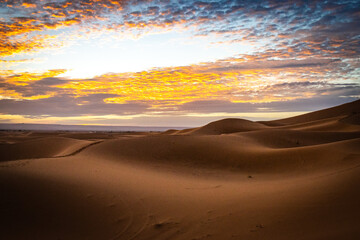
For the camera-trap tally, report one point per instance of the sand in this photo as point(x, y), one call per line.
point(295, 178)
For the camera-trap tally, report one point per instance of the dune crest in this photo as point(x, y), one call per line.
point(41, 148)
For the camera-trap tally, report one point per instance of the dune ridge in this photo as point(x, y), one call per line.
point(41, 148)
point(294, 178)
point(341, 111)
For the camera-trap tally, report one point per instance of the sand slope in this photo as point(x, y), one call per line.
point(40, 148)
point(263, 152)
point(342, 111)
point(295, 178)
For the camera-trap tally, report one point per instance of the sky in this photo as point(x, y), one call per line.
point(175, 63)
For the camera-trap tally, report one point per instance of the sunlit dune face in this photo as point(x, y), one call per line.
point(175, 58)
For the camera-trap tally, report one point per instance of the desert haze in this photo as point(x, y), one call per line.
point(294, 178)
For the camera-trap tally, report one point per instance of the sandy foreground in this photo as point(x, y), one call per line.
point(295, 178)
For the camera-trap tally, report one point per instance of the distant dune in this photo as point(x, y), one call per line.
point(224, 126)
point(294, 178)
point(348, 110)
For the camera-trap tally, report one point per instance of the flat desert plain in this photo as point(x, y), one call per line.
point(294, 178)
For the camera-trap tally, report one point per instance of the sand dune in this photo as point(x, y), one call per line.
point(266, 152)
point(345, 110)
point(288, 138)
point(295, 178)
point(335, 124)
point(41, 148)
point(224, 126)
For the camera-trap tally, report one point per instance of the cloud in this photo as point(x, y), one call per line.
point(25, 78)
point(297, 105)
point(175, 90)
point(67, 105)
point(293, 23)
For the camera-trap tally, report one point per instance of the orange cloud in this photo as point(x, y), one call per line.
point(37, 18)
point(25, 78)
point(28, 5)
point(28, 45)
point(242, 79)
point(178, 85)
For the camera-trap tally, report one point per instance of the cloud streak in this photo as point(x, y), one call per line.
point(207, 87)
point(316, 27)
